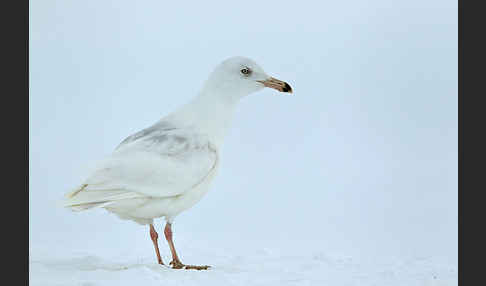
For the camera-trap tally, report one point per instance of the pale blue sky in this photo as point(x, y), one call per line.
point(362, 158)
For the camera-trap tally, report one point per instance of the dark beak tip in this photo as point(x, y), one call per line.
point(287, 88)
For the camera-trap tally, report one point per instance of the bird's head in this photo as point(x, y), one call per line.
point(239, 76)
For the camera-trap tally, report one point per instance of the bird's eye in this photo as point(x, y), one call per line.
point(246, 71)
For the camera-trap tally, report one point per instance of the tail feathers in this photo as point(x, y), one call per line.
point(86, 206)
point(83, 198)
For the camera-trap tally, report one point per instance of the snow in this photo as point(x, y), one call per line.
point(248, 263)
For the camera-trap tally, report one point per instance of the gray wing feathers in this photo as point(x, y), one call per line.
point(159, 161)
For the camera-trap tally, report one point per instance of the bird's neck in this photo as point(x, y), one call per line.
point(210, 114)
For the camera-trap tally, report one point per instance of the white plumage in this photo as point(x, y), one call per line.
point(167, 168)
point(161, 173)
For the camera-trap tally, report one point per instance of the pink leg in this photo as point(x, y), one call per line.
point(176, 263)
point(154, 236)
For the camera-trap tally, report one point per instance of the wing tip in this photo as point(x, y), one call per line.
point(75, 192)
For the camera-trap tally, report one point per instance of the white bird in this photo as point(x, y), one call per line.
point(166, 168)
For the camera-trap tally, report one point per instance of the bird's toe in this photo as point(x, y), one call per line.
point(198, 267)
point(180, 265)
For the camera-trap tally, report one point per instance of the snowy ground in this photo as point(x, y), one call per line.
point(60, 264)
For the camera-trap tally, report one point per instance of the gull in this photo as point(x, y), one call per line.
point(167, 168)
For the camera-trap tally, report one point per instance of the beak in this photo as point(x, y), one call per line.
point(277, 84)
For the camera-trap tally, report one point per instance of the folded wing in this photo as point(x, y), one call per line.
point(159, 161)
